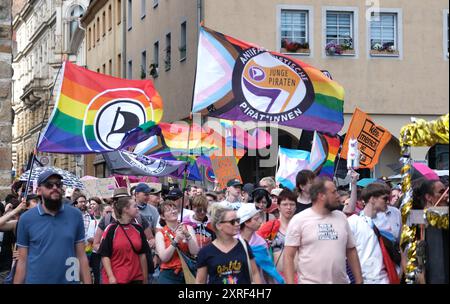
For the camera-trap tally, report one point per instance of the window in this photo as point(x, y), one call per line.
point(98, 28)
point(119, 65)
point(295, 28)
point(130, 69)
point(339, 33)
point(95, 32)
point(144, 65)
point(109, 18)
point(75, 13)
point(167, 59)
point(104, 23)
point(155, 3)
point(445, 30)
point(143, 8)
point(384, 33)
point(104, 68)
point(130, 14)
point(89, 38)
point(110, 67)
point(183, 42)
point(155, 64)
point(119, 11)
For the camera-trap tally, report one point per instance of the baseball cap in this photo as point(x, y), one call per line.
point(142, 188)
point(44, 176)
point(174, 194)
point(276, 191)
point(234, 182)
point(246, 212)
point(120, 192)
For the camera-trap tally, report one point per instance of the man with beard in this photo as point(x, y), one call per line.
point(322, 239)
point(51, 239)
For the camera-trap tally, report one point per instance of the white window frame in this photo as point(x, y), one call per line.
point(445, 34)
point(143, 9)
point(309, 27)
point(155, 3)
point(398, 34)
point(354, 25)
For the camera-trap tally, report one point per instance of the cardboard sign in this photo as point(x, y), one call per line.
point(225, 168)
point(371, 138)
point(101, 187)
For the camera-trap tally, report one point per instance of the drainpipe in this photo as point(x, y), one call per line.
point(124, 39)
point(199, 14)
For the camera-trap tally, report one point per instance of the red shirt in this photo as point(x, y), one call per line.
point(125, 263)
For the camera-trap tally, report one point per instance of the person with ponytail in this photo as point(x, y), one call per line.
point(227, 260)
point(123, 246)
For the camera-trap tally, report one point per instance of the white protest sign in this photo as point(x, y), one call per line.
point(101, 187)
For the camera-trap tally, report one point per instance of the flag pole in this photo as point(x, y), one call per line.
point(337, 164)
point(192, 122)
point(33, 159)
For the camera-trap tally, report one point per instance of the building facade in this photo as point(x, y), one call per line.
point(103, 23)
point(5, 96)
point(47, 32)
point(391, 56)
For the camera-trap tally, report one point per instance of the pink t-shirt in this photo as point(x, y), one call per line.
point(322, 242)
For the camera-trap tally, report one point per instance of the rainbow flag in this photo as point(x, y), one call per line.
point(240, 81)
point(237, 137)
point(333, 148)
point(93, 111)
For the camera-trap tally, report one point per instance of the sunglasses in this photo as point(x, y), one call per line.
point(233, 221)
point(49, 185)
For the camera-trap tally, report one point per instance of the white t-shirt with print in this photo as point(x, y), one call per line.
point(369, 250)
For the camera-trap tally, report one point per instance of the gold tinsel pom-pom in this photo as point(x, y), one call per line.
point(423, 133)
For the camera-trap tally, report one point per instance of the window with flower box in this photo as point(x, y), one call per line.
point(384, 34)
point(339, 33)
point(295, 36)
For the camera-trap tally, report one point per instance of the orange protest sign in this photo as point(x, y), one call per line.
point(225, 168)
point(371, 138)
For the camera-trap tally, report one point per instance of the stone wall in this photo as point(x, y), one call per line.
point(6, 73)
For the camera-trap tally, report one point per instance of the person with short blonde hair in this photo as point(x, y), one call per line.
point(226, 250)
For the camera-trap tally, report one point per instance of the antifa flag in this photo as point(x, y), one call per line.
point(93, 111)
point(236, 80)
point(127, 163)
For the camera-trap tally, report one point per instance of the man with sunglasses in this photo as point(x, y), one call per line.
point(376, 199)
point(51, 239)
